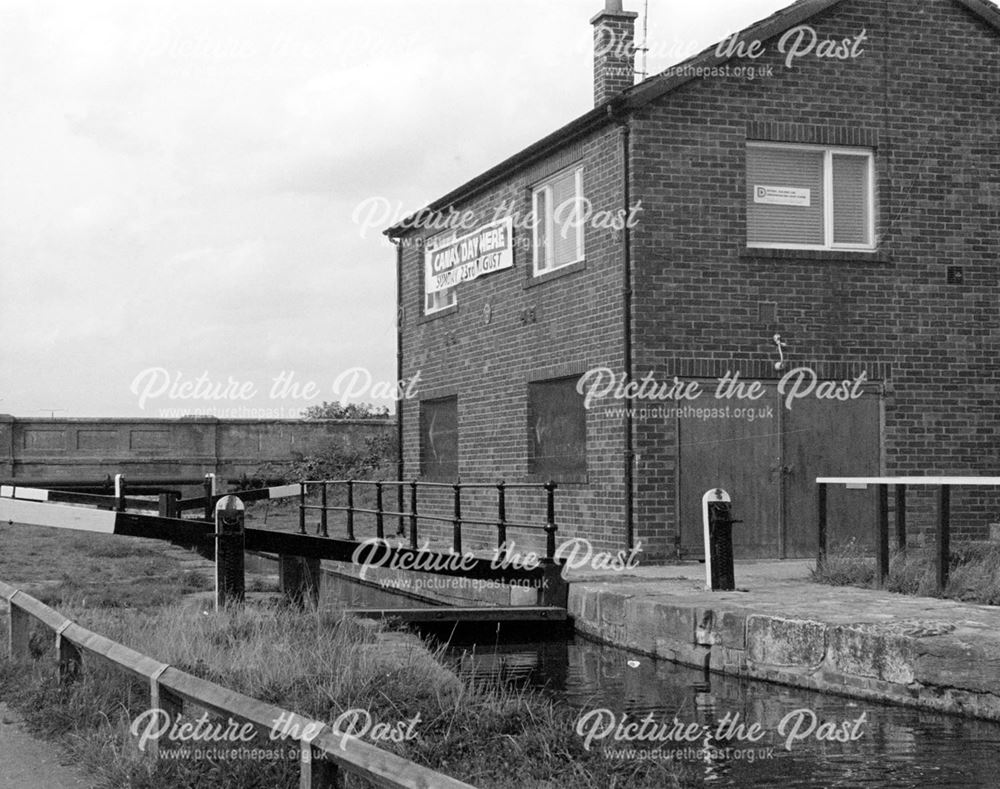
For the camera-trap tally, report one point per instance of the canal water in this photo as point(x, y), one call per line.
point(728, 732)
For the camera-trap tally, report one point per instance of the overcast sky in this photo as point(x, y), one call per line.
point(180, 179)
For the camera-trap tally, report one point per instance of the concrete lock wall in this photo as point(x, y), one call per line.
point(93, 448)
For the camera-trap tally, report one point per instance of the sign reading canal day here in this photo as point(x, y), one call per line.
point(486, 249)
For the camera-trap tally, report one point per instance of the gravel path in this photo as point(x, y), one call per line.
point(28, 763)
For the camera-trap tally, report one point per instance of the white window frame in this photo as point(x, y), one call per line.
point(828, 154)
point(540, 256)
point(429, 307)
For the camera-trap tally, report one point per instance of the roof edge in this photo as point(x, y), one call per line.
point(603, 114)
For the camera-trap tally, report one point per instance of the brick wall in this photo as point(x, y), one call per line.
point(925, 97)
point(537, 329)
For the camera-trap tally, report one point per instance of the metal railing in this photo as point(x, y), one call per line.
point(410, 517)
point(325, 753)
point(881, 484)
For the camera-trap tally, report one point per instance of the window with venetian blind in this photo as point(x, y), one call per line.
point(558, 233)
point(808, 197)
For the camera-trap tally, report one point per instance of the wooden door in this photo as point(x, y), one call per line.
point(744, 458)
point(824, 438)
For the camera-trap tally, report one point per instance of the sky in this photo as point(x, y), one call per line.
point(193, 193)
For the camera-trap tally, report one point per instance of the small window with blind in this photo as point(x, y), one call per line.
point(439, 438)
point(557, 431)
point(557, 204)
point(807, 197)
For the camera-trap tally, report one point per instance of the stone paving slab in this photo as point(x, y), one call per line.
point(940, 654)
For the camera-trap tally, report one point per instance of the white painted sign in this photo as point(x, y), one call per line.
point(782, 195)
point(485, 250)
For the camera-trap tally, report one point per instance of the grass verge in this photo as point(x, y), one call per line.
point(974, 571)
point(488, 734)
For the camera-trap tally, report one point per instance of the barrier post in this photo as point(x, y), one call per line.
point(17, 631)
point(943, 538)
point(322, 512)
point(120, 492)
point(882, 539)
point(379, 518)
point(316, 770)
point(901, 517)
point(300, 578)
point(209, 487)
point(168, 505)
point(821, 521)
point(230, 543)
point(350, 509)
point(302, 508)
point(68, 655)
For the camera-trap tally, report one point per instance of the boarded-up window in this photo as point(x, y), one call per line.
point(808, 197)
point(557, 430)
point(559, 212)
point(439, 438)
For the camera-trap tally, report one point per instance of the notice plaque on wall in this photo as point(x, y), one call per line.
point(782, 195)
point(461, 258)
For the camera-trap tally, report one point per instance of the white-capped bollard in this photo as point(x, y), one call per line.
point(716, 507)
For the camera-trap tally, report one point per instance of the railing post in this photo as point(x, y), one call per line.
point(168, 505)
point(379, 519)
point(209, 487)
point(901, 517)
point(68, 656)
point(554, 590)
point(302, 508)
point(943, 538)
point(882, 539)
point(120, 492)
point(550, 521)
point(456, 527)
point(17, 631)
point(322, 512)
point(821, 523)
point(350, 509)
point(501, 515)
point(163, 699)
point(413, 514)
point(400, 504)
point(315, 770)
point(230, 543)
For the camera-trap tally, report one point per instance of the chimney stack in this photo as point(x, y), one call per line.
point(614, 51)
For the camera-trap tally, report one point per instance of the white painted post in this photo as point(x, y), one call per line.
point(120, 492)
point(718, 495)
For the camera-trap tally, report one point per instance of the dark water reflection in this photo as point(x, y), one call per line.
point(897, 747)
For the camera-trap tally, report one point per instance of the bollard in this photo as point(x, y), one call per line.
point(718, 520)
point(300, 579)
point(229, 546)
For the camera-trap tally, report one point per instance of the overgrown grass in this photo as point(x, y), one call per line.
point(974, 571)
point(63, 568)
point(486, 733)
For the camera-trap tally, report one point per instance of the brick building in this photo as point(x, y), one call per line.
point(823, 227)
